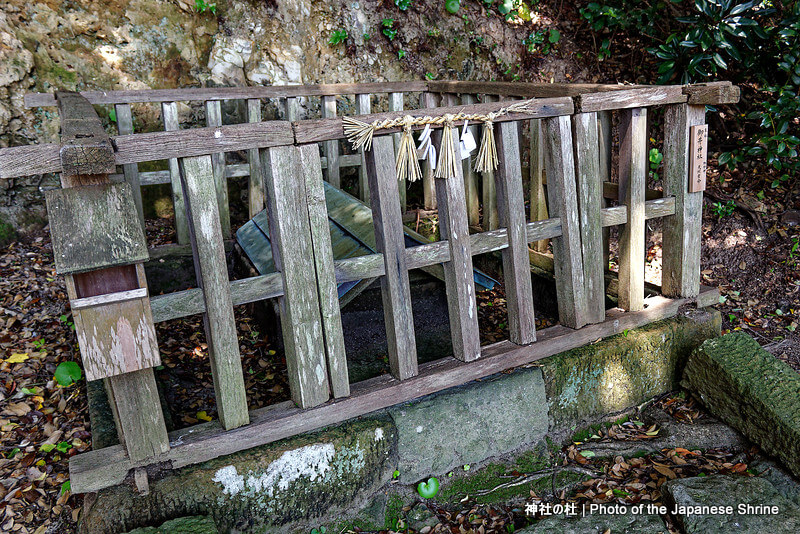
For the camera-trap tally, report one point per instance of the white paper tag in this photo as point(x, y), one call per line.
point(467, 144)
point(425, 135)
point(432, 157)
point(425, 145)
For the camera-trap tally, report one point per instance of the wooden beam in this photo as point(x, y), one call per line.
point(538, 200)
point(489, 189)
point(470, 176)
point(590, 195)
point(363, 107)
point(130, 170)
point(95, 470)
point(205, 232)
point(461, 305)
point(169, 114)
point(630, 98)
point(390, 241)
point(331, 148)
point(396, 104)
point(214, 120)
point(681, 232)
point(428, 100)
point(563, 197)
point(633, 175)
point(712, 93)
point(255, 184)
point(511, 213)
point(292, 250)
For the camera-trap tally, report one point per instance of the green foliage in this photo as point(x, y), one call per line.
point(202, 6)
point(388, 29)
point(428, 489)
point(723, 210)
point(401, 54)
point(402, 5)
point(655, 157)
point(543, 41)
point(67, 373)
point(452, 6)
point(338, 36)
point(65, 487)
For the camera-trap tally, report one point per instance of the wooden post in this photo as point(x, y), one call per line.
point(169, 114)
point(470, 176)
point(291, 109)
point(429, 100)
point(682, 231)
point(130, 170)
point(211, 269)
point(331, 148)
point(214, 118)
point(605, 145)
point(396, 104)
point(363, 107)
point(458, 277)
point(490, 219)
point(326, 277)
point(633, 174)
point(390, 241)
point(511, 212)
point(255, 189)
point(563, 201)
point(292, 251)
point(538, 209)
point(590, 194)
point(87, 158)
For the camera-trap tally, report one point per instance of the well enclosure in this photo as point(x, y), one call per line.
point(96, 222)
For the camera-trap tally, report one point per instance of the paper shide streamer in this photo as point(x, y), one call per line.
point(446, 166)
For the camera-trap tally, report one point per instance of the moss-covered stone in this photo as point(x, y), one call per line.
point(624, 370)
point(182, 525)
point(7, 233)
point(752, 391)
point(304, 480)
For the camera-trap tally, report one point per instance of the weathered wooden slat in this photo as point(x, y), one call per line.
point(85, 147)
point(461, 304)
point(682, 232)
point(292, 252)
point(520, 89)
point(205, 232)
point(130, 170)
point(390, 241)
point(396, 104)
point(331, 148)
point(605, 140)
point(18, 161)
point(291, 109)
point(169, 114)
point(363, 107)
point(96, 470)
point(470, 176)
point(511, 213)
point(633, 173)
point(214, 120)
point(428, 100)
point(134, 396)
point(255, 184)
point(94, 227)
point(630, 98)
point(489, 189)
point(318, 130)
point(538, 201)
point(311, 171)
point(712, 93)
point(229, 93)
point(563, 201)
point(653, 209)
point(590, 195)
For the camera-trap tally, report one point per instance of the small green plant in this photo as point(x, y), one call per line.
point(112, 115)
point(543, 41)
point(65, 487)
point(428, 489)
point(402, 5)
point(338, 36)
point(67, 373)
point(320, 530)
point(65, 319)
point(366, 37)
point(655, 157)
point(39, 343)
point(396, 473)
point(430, 75)
point(723, 210)
point(388, 29)
point(401, 54)
point(202, 6)
point(795, 247)
point(452, 6)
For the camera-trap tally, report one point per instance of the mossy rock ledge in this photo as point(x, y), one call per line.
point(751, 390)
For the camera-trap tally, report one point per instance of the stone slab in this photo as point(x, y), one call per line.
point(751, 390)
point(470, 424)
point(182, 525)
point(733, 491)
point(600, 524)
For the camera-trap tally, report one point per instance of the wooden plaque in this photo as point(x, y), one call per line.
point(698, 158)
point(115, 333)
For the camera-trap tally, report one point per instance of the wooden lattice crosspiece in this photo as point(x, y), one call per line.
point(96, 227)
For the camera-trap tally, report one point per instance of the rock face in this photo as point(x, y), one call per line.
point(735, 492)
point(182, 525)
point(598, 524)
point(469, 424)
point(140, 44)
point(751, 390)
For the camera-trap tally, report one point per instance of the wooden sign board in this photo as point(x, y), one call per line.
point(698, 158)
point(115, 333)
